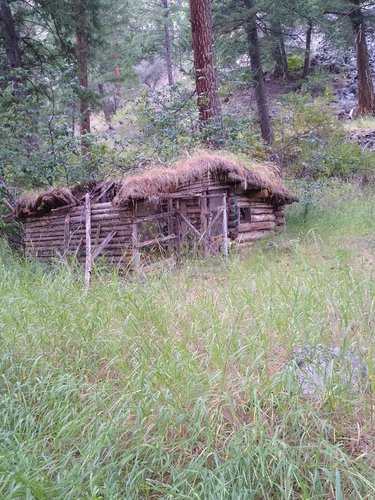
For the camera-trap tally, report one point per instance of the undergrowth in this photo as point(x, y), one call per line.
point(178, 387)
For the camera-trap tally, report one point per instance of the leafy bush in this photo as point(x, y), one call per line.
point(313, 144)
point(295, 63)
point(317, 84)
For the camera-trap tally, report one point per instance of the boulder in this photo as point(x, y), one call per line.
point(320, 368)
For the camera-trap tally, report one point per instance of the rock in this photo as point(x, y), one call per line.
point(319, 368)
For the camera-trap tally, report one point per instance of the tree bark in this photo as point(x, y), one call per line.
point(9, 35)
point(366, 101)
point(203, 46)
point(82, 72)
point(11, 44)
point(306, 64)
point(167, 43)
point(256, 68)
point(279, 53)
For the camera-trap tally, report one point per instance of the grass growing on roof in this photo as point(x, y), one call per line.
point(237, 168)
point(176, 388)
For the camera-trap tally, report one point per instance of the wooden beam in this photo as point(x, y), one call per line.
point(164, 239)
point(188, 223)
point(204, 225)
point(103, 244)
point(136, 254)
point(256, 226)
point(88, 261)
point(66, 231)
point(225, 225)
point(153, 217)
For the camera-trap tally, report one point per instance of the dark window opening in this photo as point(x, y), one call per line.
point(245, 214)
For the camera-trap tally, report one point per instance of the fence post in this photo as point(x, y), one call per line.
point(136, 254)
point(225, 225)
point(88, 261)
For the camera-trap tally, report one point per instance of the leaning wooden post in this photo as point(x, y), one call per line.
point(88, 262)
point(204, 225)
point(66, 232)
point(136, 255)
point(225, 225)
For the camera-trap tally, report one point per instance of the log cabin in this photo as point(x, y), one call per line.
point(206, 200)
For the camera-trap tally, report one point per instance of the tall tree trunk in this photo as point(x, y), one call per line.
point(11, 41)
point(167, 43)
point(366, 101)
point(279, 53)
point(256, 68)
point(306, 64)
point(82, 72)
point(203, 46)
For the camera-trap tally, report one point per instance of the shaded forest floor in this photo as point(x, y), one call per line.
point(176, 389)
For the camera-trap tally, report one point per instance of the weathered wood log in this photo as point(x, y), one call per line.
point(263, 217)
point(77, 218)
point(59, 232)
point(115, 242)
point(122, 231)
point(225, 225)
point(252, 236)
point(188, 223)
point(255, 226)
point(136, 253)
point(157, 241)
point(88, 261)
point(105, 243)
point(203, 225)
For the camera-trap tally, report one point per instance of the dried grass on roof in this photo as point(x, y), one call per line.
point(155, 182)
point(30, 204)
point(34, 204)
point(158, 181)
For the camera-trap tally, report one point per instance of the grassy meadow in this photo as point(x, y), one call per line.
point(178, 387)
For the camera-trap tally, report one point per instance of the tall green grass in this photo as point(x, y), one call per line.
point(178, 388)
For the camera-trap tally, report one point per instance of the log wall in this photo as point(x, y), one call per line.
point(62, 232)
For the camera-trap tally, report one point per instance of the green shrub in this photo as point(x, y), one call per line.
point(295, 63)
point(317, 84)
point(312, 143)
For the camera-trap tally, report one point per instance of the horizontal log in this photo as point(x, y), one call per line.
point(103, 222)
point(120, 247)
point(57, 233)
point(252, 236)
point(72, 245)
point(77, 219)
point(261, 204)
point(156, 241)
point(263, 217)
point(260, 211)
point(249, 199)
point(255, 226)
point(105, 226)
point(154, 217)
point(264, 206)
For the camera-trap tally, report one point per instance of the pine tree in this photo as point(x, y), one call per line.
point(366, 101)
point(257, 73)
point(9, 35)
point(204, 61)
point(82, 33)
